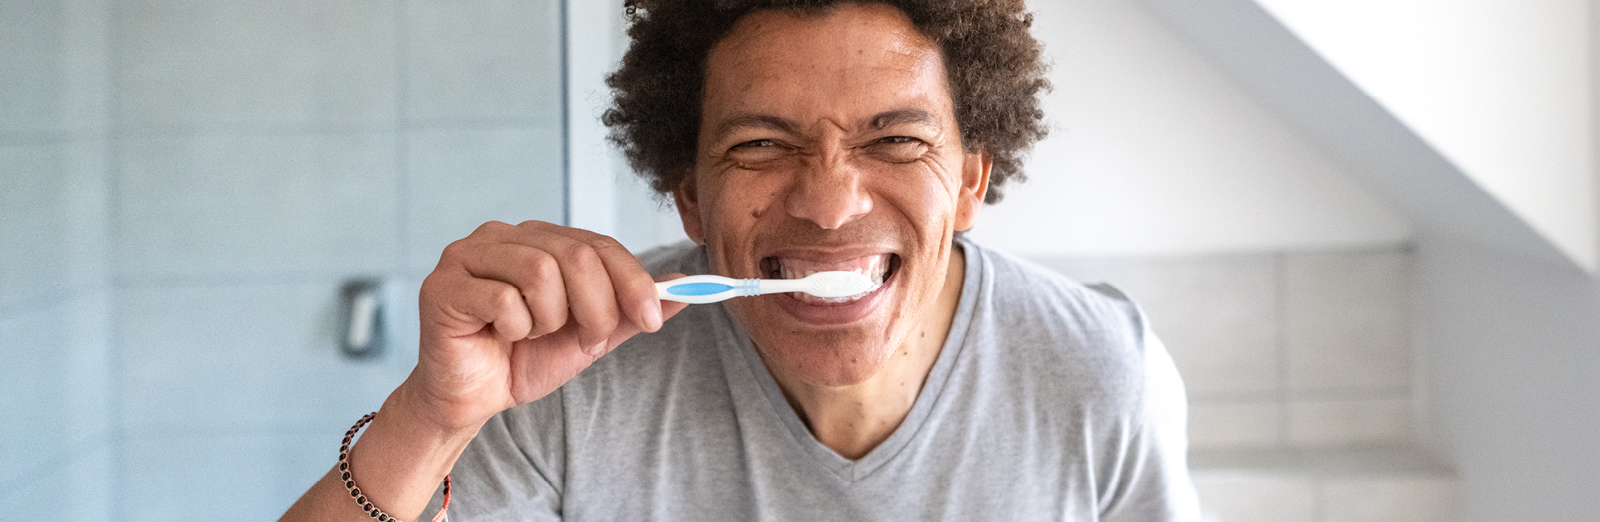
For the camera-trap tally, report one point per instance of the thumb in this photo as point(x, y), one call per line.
point(670, 308)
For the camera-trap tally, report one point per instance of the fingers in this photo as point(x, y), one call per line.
point(605, 283)
point(465, 305)
point(564, 275)
point(635, 290)
point(535, 273)
point(667, 309)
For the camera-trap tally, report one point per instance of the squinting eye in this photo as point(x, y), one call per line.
point(755, 143)
point(898, 149)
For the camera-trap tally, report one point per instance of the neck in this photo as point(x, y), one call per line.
point(852, 420)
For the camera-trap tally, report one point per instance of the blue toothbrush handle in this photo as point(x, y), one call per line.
point(703, 289)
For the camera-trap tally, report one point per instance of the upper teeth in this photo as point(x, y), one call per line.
point(877, 266)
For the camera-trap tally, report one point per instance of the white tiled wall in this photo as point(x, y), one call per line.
point(190, 65)
point(243, 358)
point(259, 475)
point(185, 184)
point(57, 461)
point(81, 487)
point(482, 60)
point(240, 205)
point(1345, 321)
point(57, 400)
point(443, 160)
point(56, 80)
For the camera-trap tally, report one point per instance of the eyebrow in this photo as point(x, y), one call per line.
point(757, 121)
point(878, 121)
point(888, 119)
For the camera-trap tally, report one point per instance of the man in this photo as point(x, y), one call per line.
point(794, 137)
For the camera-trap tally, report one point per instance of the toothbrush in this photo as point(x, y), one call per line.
point(702, 289)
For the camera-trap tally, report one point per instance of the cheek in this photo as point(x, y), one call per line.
point(923, 200)
point(735, 213)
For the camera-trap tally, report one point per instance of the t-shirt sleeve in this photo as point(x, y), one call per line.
point(1153, 483)
point(513, 470)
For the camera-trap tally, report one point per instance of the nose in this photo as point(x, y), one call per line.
point(829, 192)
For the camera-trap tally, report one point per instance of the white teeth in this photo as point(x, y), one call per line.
point(877, 267)
point(876, 270)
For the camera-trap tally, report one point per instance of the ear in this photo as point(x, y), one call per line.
point(688, 203)
point(974, 187)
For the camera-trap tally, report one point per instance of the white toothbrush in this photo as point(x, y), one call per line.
point(702, 289)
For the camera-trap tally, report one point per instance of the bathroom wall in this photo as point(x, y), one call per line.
point(58, 459)
point(186, 186)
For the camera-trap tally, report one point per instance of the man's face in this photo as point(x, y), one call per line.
point(829, 142)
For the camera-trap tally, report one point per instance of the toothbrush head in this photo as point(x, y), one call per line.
point(838, 284)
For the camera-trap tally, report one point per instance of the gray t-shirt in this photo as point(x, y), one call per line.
point(1050, 401)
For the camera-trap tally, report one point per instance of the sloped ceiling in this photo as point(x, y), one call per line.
point(1156, 150)
point(1498, 87)
point(1281, 71)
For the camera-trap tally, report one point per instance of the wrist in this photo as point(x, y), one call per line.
point(420, 413)
point(401, 458)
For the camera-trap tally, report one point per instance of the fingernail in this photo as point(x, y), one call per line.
point(596, 350)
point(652, 318)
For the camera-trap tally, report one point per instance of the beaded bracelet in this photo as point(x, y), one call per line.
point(355, 492)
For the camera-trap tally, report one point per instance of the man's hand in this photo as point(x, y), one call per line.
point(510, 314)
point(513, 312)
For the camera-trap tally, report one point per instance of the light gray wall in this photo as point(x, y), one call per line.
point(185, 186)
point(58, 458)
point(1511, 354)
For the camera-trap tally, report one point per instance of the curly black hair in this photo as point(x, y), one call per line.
point(995, 65)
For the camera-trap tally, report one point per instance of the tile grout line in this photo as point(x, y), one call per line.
point(49, 299)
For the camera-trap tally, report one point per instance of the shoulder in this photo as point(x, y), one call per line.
point(1049, 301)
point(1075, 343)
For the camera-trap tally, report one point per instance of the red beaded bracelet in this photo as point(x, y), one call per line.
point(355, 492)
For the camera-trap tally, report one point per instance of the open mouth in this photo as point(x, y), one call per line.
point(880, 268)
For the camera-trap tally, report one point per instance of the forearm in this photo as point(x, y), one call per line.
point(398, 462)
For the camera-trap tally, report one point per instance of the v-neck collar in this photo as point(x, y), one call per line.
point(856, 470)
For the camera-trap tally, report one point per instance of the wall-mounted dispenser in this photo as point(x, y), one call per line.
point(361, 314)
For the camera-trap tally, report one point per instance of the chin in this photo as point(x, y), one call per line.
point(832, 342)
point(826, 361)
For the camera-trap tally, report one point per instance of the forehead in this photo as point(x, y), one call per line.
point(851, 60)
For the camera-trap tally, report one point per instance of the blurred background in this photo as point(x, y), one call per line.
point(1366, 230)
